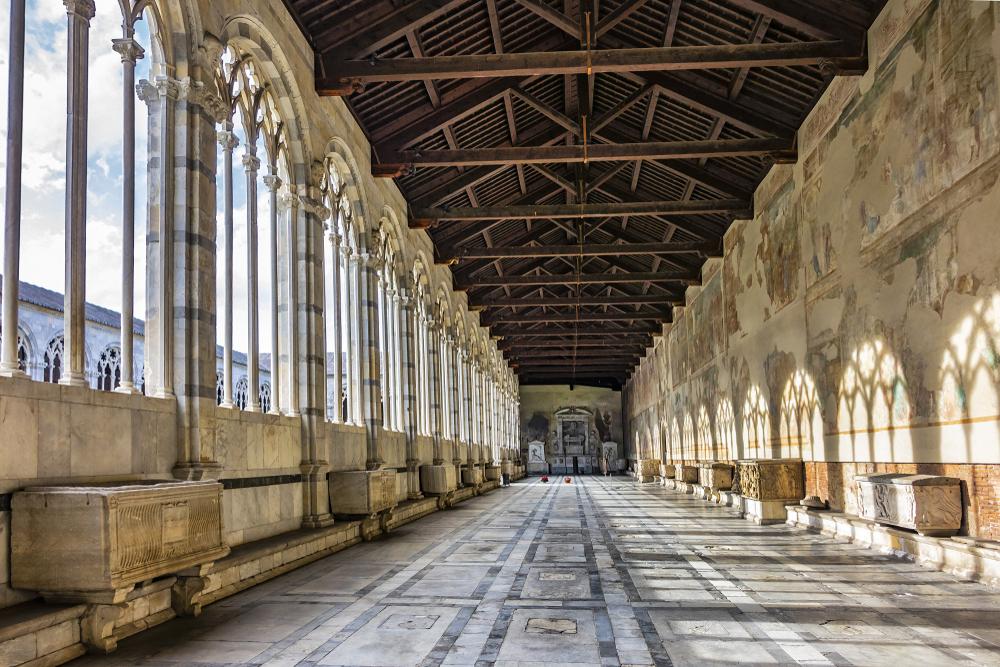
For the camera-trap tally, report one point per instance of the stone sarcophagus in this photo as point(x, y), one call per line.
point(647, 469)
point(438, 479)
point(767, 485)
point(667, 471)
point(362, 492)
point(493, 473)
point(687, 474)
point(472, 476)
point(95, 543)
point(507, 467)
point(928, 504)
point(715, 476)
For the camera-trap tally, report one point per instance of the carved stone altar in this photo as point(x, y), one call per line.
point(768, 485)
point(928, 504)
point(362, 492)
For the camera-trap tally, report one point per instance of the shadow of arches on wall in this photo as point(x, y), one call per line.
point(873, 401)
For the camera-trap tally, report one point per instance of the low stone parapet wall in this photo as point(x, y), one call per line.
point(963, 557)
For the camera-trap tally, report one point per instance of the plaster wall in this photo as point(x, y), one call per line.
point(855, 321)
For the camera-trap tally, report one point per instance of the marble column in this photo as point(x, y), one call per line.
point(228, 140)
point(309, 240)
point(252, 164)
point(12, 195)
point(350, 316)
point(273, 183)
point(291, 240)
point(368, 343)
point(336, 302)
point(397, 358)
point(79, 13)
point(130, 51)
point(408, 381)
point(435, 390)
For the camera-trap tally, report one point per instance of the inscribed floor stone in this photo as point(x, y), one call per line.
point(598, 572)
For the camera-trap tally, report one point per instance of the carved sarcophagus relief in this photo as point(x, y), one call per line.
point(716, 476)
point(928, 504)
point(647, 469)
point(771, 479)
point(667, 471)
point(85, 543)
point(686, 473)
point(362, 492)
point(438, 479)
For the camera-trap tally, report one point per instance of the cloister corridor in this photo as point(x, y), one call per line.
point(602, 571)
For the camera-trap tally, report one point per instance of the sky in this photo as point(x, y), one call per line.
point(43, 175)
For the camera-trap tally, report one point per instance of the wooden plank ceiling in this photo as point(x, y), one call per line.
point(575, 161)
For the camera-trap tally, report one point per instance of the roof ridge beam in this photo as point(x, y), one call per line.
point(343, 77)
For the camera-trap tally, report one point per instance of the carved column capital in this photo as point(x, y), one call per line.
point(288, 201)
point(272, 182)
point(128, 48)
point(84, 9)
point(251, 163)
point(227, 139)
point(314, 207)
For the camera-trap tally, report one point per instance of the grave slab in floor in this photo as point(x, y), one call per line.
point(642, 576)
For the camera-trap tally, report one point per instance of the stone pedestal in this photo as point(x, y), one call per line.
point(767, 486)
point(928, 504)
point(715, 477)
point(646, 470)
point(362, 492)
point(437, 480)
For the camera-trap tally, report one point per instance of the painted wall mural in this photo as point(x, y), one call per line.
point(855, 321)
point(576, 429)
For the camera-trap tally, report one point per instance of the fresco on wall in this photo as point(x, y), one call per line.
point(573, 425)
point(859, 308)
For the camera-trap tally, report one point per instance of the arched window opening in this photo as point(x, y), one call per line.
point(219, 388)
point(240, 393)
point(264, 396)
point(53, 360)
point(109, 368)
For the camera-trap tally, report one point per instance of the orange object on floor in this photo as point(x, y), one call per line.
point(569, 480)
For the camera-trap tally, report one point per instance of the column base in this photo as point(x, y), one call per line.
point(127, 388)
point(14, 372)
point(318, 521)
point(197, 471)
point(73, 380)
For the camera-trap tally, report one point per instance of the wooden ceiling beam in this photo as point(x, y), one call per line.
point(823, 20)
point(622, 12)
point(531, 302)
point(680, 277)
point(338, 77)
point(650, 314)
point(514, 347)
point(426, 216)
point(359, 37)
point(603, 330)
point(555, 17)
point(451, 255)
point(778, 149)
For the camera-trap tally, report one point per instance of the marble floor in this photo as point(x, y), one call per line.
point(598, 572)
